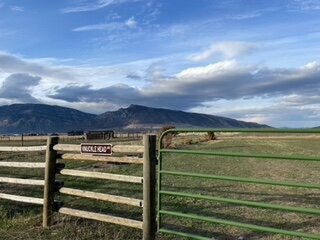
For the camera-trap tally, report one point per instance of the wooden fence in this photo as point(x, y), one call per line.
point(20, 181)
point(51, 185)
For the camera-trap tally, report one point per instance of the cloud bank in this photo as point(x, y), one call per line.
point(18, 87)
point(193, 86)
point(295, 89)
point(224, 49)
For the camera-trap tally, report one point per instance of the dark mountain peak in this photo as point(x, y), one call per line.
point(38, 107)
point(141, 107)
point(42, 118)
point(137, 116)
point(135, 106)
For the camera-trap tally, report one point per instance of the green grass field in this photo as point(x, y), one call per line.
point(24, 221)
point(277, 170)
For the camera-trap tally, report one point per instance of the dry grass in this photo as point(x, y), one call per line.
point(23, 221)
point(277, 170)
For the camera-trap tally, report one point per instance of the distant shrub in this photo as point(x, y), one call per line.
point(211, 136)
point(188, 141)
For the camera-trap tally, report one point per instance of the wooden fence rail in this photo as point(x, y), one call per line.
point(102, 196)
point(51, 168)
point(99, 175)
point(22, 149)
point(132, 160)
point(23, 199)
point(23, 164)
point(22, 181)
point(102, 217)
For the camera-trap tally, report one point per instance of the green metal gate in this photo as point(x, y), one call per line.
point(251, 183)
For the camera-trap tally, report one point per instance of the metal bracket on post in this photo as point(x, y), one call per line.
point(57, 205)
point(58, 185)
point(59, 167)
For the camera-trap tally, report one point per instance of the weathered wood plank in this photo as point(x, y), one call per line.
point(99, 175)
point(32, 182)
point(67, 147)
point(115, 148)
point(21, 198)
point(102, 196)
point(127, 149)
point(49, 179)
point(132, 160)
point(23, 164)
point(22, 149)
point(101, 217)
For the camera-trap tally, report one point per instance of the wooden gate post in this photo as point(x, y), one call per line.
point(149, 187)
point(49, 179)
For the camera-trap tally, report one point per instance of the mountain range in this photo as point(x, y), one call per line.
point(41, 118)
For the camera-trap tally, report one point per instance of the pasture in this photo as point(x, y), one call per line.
point(24, 221)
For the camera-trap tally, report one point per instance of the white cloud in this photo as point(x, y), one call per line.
point(258, 118)
point(12, 64)
point(253, 14)
point(93, 5)
point(155, 72)
point(103, 26)
point(298, 100)
point(246, 16)
point(208, 71)
point(17, 8)
point(306, 5)
point(312, 65)
point(226, 49)
point(274, 111)
point(174, 30)
point(192, 87)
point(88, 107)
point(54, 74)
point(277, 115)
point(17, 86)
point(148, 83)
point(131, 23)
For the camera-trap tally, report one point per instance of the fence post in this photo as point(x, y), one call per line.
point(49, 179)
point(149, 187)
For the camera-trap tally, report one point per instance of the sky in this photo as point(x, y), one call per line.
point(253, 60)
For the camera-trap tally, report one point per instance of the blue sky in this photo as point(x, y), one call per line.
point(253, 60)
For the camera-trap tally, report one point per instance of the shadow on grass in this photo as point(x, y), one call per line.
point(239, 214)
point(11, 210)
point(267, 197)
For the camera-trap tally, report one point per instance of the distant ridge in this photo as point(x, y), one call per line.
point(140, 116)
point(41, 118)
